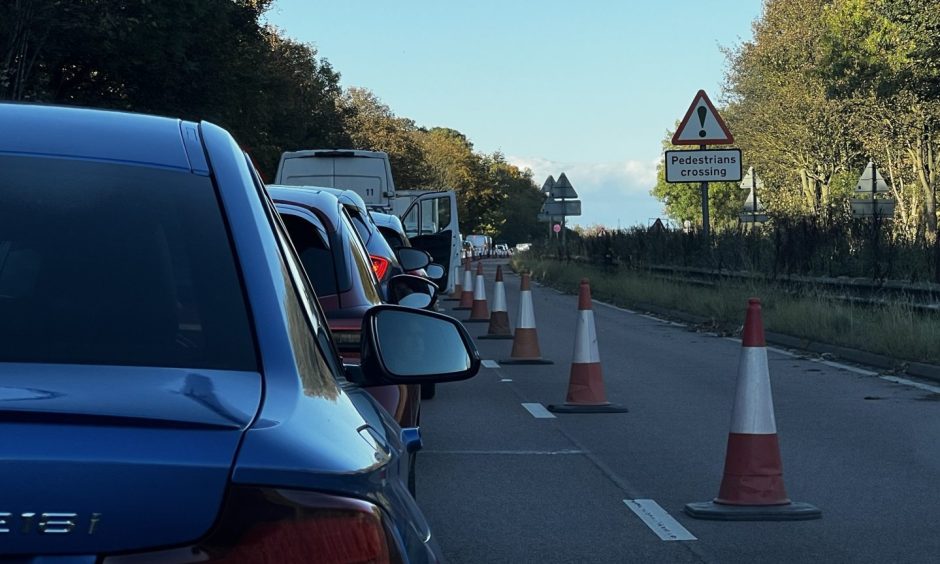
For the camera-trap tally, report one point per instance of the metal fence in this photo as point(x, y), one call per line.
point(803, 247)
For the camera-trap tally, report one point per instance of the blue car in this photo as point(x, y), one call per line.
point(169, 390)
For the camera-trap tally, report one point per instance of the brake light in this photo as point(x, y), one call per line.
point(335, 536)
point(274, 526)
point(379, 266)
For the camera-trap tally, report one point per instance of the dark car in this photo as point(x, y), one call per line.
point(385, 261)
point(338, 265)
point(171, 392)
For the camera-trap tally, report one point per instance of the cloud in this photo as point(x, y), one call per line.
point(611, 193)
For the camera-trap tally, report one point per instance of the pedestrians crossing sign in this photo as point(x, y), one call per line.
point(702, 125)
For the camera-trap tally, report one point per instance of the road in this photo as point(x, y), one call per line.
point(500, 485)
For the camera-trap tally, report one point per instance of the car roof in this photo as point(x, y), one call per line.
point(324, 204)
point(346, 197)
point(388, 220)
point(32, 129)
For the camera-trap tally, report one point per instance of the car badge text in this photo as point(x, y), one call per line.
point(48, 523)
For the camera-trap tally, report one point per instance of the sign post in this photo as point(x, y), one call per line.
point(753, 208)
point(703, 126)
point(560, 202)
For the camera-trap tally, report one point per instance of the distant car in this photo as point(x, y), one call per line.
point(502, 250)
point(170, 390)
point(522, 247)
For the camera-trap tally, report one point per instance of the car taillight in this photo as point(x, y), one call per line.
point(379, 265)
point(347, 341)
point(275, 526)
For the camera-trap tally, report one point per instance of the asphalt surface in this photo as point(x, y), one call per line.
point(500, 485)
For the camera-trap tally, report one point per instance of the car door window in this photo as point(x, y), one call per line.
point(315, 253)
point(428, 216)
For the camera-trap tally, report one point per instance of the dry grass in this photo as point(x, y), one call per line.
point(896, 330)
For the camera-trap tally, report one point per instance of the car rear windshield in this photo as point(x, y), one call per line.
point(104, 263)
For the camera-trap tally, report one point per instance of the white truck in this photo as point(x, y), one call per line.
point(429, 217)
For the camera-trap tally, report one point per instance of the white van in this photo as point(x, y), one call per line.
point(431, 223)
point(368, 173)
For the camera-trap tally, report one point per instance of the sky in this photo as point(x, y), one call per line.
point(588, 88)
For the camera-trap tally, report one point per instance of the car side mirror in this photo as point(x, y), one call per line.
point(411, 291)
point(435, 272)
point(412, 259)
point(415, 346)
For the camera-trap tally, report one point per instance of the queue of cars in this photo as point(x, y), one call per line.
point(172, 390)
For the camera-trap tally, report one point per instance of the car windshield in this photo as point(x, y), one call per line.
point(111, 264)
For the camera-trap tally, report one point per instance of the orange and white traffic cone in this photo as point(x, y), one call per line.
point(499, 316)
point(525, 343)
point(466, 297)
point(454, 296)
point(479, 311)
point(586, 383)
point(752, 485)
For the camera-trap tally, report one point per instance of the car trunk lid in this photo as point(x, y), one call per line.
point(102, 459)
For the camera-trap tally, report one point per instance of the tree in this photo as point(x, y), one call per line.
point(884, 57)
point(784, 122)
point(373, 126)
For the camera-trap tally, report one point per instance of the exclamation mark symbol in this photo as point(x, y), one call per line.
point(702, 112)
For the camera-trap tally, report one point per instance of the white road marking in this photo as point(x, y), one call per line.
point(538, 411)
point(855, 369)
point(658, 520)
point(906, 382)
point(841, 366)
point(651, 317)
point(490, 364)
point(781, 351)
point(612, 306)
point(505, 379)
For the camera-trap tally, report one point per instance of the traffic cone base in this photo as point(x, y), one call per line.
point(586, 392)
point(752, 484)
point(793, 511)
point(525, 361)
point(499, 326)
point(608, 408)
point(525, 348)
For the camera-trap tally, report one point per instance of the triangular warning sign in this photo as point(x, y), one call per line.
point(702, 125)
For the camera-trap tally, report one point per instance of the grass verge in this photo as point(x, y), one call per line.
point(895, 330)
